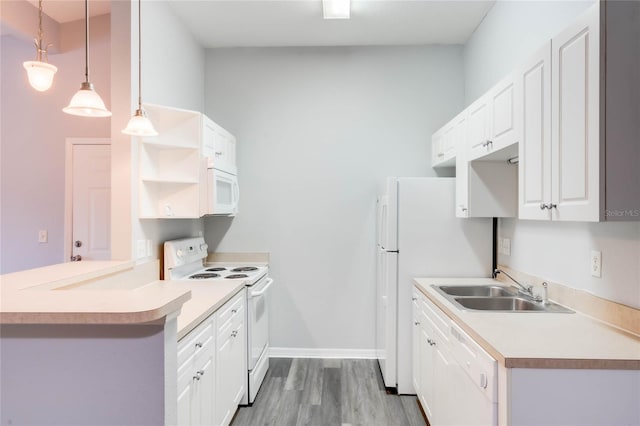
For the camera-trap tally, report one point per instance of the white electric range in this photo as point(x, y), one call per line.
point(185, 259)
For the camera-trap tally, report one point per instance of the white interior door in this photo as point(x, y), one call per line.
point(91, 202)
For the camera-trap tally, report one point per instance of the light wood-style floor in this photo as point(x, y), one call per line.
point(327, 392)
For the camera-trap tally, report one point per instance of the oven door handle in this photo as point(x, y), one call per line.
point(263, 289)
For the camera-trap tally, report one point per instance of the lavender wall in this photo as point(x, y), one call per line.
point(32, 141)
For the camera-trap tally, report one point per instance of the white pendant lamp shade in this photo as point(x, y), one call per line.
point(40, 74)
point(139, 125)
point(87, 103)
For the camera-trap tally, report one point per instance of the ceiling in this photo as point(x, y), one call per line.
point(266, 23)
point(260, 23)
point(71, 10)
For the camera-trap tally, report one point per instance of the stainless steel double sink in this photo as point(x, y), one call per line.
point(495, 298)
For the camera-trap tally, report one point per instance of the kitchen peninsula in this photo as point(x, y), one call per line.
point(94, 342)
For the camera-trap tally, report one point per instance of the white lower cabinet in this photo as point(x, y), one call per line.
point(455, 379)
point(231, 359)
point(212, 366)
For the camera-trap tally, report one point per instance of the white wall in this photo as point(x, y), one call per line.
point(173, 75)
point(33, 132)
point(173, 65)
point(556, 251)
point(509, 33)
point(318, 130)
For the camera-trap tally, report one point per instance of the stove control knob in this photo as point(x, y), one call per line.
point(179, 253)
point(204, 247)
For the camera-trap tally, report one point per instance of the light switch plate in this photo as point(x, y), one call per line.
point(43, 236)
point(596, 263)
point(149, 248)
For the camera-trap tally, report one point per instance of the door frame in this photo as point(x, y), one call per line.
point(68, 187)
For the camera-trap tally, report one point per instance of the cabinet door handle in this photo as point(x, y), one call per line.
point(233, 311)
point(414, 298)
point(440, 154)
point(543, 206)
point(234, 333)
point(218, 153)
point(198, 344)
point(200, 373)
point(552, 206)
point(196, 377)
point(416, 323)
point(487, 143)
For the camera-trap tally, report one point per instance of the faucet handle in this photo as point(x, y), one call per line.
point(545, 289)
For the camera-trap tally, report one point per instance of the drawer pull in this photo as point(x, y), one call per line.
point(233, 311)
point(198, 344)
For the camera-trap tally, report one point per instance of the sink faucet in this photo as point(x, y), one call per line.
point(528, 290)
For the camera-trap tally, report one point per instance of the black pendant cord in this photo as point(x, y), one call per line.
point(86, 41)
point(140, 55)
point(494, 260)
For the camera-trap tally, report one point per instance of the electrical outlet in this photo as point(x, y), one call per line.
point(149, 248)
point(596, 263)
point(506, 246)
point(43, 236)
point(141, 249)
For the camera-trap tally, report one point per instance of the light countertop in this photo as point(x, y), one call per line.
point(66, 294)
point(50, 295)
point(539, 340)
point(206, 297)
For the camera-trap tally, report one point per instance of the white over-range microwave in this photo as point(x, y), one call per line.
point(223, 193)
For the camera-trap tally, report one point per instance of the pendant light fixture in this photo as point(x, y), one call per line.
point(86, 102)
point(40, 72)
point(139, 124)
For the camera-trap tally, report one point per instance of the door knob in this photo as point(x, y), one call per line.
point(78, 243)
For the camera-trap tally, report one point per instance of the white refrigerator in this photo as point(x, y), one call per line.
point(418, 235)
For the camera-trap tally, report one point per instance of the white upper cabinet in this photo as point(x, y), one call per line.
point(443, 146)
point(580, 116)
point(219, 147)
point(173, 166)
point(535, 146)
point(492, 123)
point(575, 124)
point(479, 127)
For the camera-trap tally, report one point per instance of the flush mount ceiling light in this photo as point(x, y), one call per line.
point(86, 102)
point(140, 125)
point(336, 9)
point(40, 72)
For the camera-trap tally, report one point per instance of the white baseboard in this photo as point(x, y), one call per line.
point(322, 353)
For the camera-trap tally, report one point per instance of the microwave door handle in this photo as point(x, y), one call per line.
point(236, 194)
point(263, 289)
